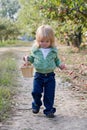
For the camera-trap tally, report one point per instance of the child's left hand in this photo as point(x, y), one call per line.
point(62, 66)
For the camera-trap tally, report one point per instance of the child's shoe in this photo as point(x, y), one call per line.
point(35, 111)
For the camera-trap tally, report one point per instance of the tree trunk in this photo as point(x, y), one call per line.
point(77, 38)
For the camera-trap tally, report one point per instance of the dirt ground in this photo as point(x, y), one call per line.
point(71, 111)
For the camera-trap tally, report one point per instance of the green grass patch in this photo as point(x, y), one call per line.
point(8, 74)
point(5, 102)
point(7, 43)
point(12, 43)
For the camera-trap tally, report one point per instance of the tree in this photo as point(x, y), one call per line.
point(8, 30)
point(64, 11)
point(65, 16)
point(8, 8)
point(29, 17)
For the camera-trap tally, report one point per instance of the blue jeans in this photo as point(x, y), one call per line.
point(44, 83)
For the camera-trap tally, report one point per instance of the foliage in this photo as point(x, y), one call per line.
point(28, 17)
point(64, 16)
point(7, 67)
point(8, 30)
point(7, 80)
point(5, 97)
point(9, 8)
point(64, 11)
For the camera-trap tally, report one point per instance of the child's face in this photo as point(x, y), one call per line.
point(44, 43)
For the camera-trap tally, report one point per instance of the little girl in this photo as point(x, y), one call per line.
point(44, 57)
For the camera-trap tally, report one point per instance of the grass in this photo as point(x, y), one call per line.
point(8, 74)
point(7, 43)
point(11, 43)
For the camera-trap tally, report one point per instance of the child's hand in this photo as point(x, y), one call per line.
point(62, 66)
point(25, 58)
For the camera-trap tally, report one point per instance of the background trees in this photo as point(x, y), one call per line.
point(68, 18)
point(29, 17)
point(8, 28)
point(9, 8)
point(71, 16)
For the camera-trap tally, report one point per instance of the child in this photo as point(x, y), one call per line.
point(44, 57)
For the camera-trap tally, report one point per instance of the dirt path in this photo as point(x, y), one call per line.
point(71, 110)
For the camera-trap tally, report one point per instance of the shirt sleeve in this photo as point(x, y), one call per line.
point(30, 58)
point(57, 60)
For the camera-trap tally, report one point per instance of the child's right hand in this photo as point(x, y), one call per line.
point(25, 58)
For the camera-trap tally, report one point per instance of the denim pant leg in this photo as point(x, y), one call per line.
point(49, 94)
point(37, 92)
